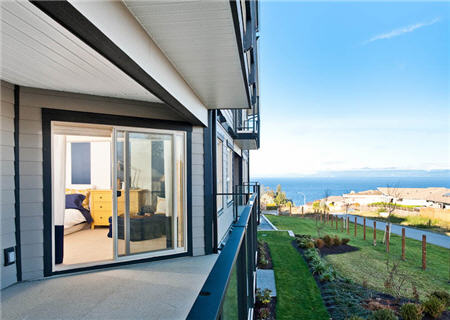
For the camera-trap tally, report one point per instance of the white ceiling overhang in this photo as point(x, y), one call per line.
point(199, 39)
point(38, 52)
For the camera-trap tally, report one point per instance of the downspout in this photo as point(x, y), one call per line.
point(17, 182)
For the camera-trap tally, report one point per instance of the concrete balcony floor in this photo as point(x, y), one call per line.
point(155, 290)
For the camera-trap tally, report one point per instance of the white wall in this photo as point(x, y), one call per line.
point(7, 199)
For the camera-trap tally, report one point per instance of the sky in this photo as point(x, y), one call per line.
point(353, 85)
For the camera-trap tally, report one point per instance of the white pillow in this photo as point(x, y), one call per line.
point(72, 217)
point(161, 205)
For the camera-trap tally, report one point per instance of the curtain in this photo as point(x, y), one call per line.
point(59, 178)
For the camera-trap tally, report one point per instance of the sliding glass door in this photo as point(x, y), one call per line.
point(148, 191)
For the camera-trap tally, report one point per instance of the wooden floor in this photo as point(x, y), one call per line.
point(88, 245)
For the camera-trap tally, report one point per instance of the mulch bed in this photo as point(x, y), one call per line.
point(343, 248)
point(271, 306)
point(264, 251)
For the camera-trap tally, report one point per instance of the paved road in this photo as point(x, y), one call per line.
point(440, 240)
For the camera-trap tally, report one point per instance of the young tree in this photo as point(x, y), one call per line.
point(389, 206)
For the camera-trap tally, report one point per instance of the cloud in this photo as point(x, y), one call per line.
point(402, 30)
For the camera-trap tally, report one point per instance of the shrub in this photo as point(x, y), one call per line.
point(383, 314)
point(345, 240)
point(444, 296)
point(271, 207)
point(319, 243)
point(263, 297)
point(411, 311)
point(311, 254)
point(336, 241)
point(318, 267)
point(434, 307)
point(355, 318)
point(326, 276)
point(264, 313)
point(310, 245)
point(328, 241)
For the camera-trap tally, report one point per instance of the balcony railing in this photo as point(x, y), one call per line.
point(229, 290)
point(246, 127)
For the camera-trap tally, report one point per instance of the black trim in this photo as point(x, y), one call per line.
point(76, 23)
point(49, 115)
point(17, 181)
point(214, 179)
point(237, 31)
point(208, 173)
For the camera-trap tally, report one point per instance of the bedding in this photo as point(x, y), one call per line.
point(74, 201)
point(73, 217)
point(161, 205)
point(85, 192)
point(75, 228)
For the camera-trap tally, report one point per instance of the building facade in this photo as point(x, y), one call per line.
point(125, 124)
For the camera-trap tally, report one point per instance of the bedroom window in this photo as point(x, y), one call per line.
point(229, 174)
point(219, 166)
point(81, 162)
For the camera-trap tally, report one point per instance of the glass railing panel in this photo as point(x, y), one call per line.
point(230, 303)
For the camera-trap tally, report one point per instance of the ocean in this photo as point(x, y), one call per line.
point(314, 188)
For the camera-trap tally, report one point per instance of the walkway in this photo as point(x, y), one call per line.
point(156, 290)
point(265, 224)
point(440, 240)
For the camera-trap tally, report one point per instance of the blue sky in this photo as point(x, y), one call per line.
point(353, 85)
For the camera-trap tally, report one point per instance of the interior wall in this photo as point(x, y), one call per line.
point(7, 184)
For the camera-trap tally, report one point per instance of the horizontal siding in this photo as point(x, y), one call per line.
point(7, 183)
point(198, 233)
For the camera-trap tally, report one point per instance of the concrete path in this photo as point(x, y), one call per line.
point(155, 290)
point(265, 224)
point(265, 279)
point(440, 240)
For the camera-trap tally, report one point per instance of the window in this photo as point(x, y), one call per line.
point(230, 174)
point(81, 163)
point(219, 166)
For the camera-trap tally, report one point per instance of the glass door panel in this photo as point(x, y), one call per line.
point(150, 188)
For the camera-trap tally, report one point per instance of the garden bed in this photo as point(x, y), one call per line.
point(343, 298)
point(264, 257)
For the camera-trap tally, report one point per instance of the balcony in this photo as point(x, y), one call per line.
point(246, 128)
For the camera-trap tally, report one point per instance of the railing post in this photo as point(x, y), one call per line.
point(424, 252)
point(364, 228)
point(374, 233)
point(242, 280)
point(403, 243)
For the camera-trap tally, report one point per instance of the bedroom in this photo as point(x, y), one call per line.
point(91, 161)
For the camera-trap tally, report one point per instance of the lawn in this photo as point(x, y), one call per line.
point(298, 296)
point(368, 265)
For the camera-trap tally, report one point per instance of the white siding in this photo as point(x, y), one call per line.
point(198, 211)
point(7, 200)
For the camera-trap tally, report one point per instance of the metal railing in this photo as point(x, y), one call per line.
point(229, 290)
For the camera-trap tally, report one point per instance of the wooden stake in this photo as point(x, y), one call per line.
point(342, 224)
point(356, 224)
point(348, 225)
point(336, 220)
point(364, 228)
point(374, 233)
point(387, 238)
point(403, 243)
point(424, 252)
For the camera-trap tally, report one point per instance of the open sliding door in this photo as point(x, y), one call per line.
point(148, 191)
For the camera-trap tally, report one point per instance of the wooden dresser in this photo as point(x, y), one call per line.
point(101, 205)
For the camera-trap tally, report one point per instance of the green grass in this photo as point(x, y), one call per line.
point(298, 296)
point(369, 263)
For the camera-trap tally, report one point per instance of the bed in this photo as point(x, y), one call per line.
point(76, 216)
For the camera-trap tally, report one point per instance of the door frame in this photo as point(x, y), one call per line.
point(49, 115)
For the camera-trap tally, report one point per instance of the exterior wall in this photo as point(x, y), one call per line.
point(7, 184)
point(225, 217)
point(198, 210)
point(31, 194)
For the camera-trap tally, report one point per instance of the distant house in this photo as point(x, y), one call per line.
point(364, 197)
point(436, 197)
